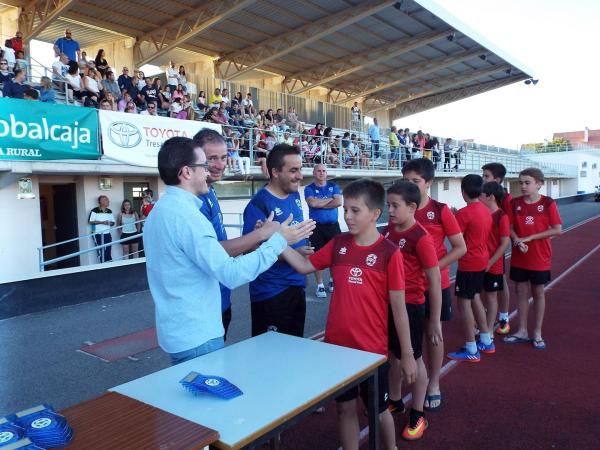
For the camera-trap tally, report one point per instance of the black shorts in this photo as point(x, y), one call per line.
point(323, 233)
point(468, 284)
point(132, 241)
point(535, 277)
point(493, 282)
point(416, 313)
point(284, 313)
point(363, 390)
point(226, 317)
point(447, 313)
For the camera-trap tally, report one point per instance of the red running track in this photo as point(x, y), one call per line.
point(519, 398)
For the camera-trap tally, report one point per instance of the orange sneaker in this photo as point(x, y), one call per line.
point(414, 433)
point(503, 327)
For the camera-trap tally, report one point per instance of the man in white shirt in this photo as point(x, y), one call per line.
point(102, 219)
point(172, 77)
point(150, 110)
point(286, 138)
point(60, 67)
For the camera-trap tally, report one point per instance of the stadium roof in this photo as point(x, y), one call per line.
point(407, 56)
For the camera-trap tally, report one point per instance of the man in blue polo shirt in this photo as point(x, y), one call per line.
point(323, 198)
point(278, 300)
point(68, 46)
point(215, 149)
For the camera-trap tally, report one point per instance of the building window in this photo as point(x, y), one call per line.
point(446, 185)
point(583, 174)
point(584, 164)
point(595, 165)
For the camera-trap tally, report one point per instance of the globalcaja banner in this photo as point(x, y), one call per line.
point(36, 131)
point(136, 138)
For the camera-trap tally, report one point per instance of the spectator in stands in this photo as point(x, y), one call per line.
point(221, 117)
point(182, 77)
point(92, 86)
point(134, 91)
point(210, 115)
point(60, 68)
point(68, 46)
point(21, 62)
point(317, 130)
point(102, 219)
point(131, 108)
point(83, 63)
point(190, 114)
point(125, 99)
point(5, 74)
point(225, 97)
point(176, 108)
point(110, 98)
point(292, 119)
point(17, 42)
point(110, 85)
point(128, 220)
point(105, 105)
point(16, 87)
point(47, 92)
point(201, 102)
point(164, 98)
point(179, 92)
point(75, 86)
point(101, 63)
point(31, 94)
point(279, 119)
point(374, 137)
point(235, 115)
point(215, 99)
point(172, 80)
point(9, 55)
point(238, 98)
point(394, 148)
point(269, 117)
point(286, 138)
point(248, 105)
point(356, 114)
point(151, 109)
point(447, 153)
point(141, 80)
point(149, 92)
point(147, 203)
point(124, 80)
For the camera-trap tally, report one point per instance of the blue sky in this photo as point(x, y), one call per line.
point(559, 41)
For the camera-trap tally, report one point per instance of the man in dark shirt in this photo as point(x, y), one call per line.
point(150, 92)
point(16, 87)
point(125, 80)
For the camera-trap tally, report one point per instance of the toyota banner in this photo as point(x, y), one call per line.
point(136, 138)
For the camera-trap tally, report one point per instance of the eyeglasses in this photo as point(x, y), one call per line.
point(3, 63)
point(151, 107)
point(203, 165)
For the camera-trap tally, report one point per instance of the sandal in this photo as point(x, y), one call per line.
point(538, 344)
point(433, 398)
point(512, 339)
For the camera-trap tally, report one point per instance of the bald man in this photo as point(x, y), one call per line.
point(323, 198)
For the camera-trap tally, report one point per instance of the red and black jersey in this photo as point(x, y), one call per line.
point(418, 252)
point(500, 229)
point(532, 218)
point(363, 277)
point(440, 223)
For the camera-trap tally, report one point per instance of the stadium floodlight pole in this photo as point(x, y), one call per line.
point(43, 11)
point(254, 56)
point(326, 73)
point(371, 86)
point(181, 29)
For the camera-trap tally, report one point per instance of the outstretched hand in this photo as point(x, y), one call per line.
point(298, 231)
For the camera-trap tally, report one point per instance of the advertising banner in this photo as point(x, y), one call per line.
point(36, 131)
point(136, 138)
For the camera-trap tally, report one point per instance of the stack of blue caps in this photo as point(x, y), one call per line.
point(197, 384)
point(21, 444)
point(10, 432)
point(44, 426)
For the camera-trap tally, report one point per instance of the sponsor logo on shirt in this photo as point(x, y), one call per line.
point(529, 220)
point(355, 276)
point(343, 251)
point(430, 215)
point(278, 212)
point(540, 208)
point(402, 243)
point(371, 259)
point(298, 203)
point(330, 188)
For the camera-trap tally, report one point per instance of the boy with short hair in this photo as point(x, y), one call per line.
point(475, 220)
point(498, 242)
point(420, 263)
point(496, 172)
point(534, 220)
point(368, 274)
point(440, 223)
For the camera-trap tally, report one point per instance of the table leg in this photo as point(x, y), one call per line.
point(374, 411)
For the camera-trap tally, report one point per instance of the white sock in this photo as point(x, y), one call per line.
point(471, 347)
point(503, 316)
point(320, 285)
point(485, 338)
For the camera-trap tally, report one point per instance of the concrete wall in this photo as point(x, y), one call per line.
point(588, 174)
point(9, 24)
point(118, 54)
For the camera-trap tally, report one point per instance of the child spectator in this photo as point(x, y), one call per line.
point(475, 221)
point(439, 221)
point(498, 242)
point(420, 263)
point(534, 220)
point(47, 92)
point(22, 63)
point(358, 313)
point(201, 102)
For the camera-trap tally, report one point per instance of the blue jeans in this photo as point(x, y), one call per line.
point(207, 347)
point(375, 149)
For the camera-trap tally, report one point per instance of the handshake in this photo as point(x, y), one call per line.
point(291, 233)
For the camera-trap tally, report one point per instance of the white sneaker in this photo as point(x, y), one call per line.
point(330, 285)
point(321, 293)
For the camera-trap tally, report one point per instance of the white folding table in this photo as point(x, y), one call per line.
point(283, 378)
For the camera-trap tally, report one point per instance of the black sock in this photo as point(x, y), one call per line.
point(398, 405)
point(414, 417)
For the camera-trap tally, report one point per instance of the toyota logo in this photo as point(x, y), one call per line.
point(124, 134)
point(355, 272)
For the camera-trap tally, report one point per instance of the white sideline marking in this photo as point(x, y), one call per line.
point(446, 368)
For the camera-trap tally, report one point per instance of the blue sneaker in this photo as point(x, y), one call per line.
point(464, 355)
point(487, 349)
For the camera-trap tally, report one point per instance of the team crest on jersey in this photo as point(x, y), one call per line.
point(343, 251)
point(518, 208)
point(402, 243)
point(495, 284)
point(355, 276)
point(430, 215)
point(316, 191)
point(529, 220)
point(298, 203)
point(278, 212)
point(540, 208)
point(371, 259)
point(330, 188)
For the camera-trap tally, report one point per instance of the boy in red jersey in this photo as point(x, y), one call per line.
point(534, 219)
point(420, 262)
point(475, 220)
point(368, 275)
point(498, 242)
point(440, 223)
point(496, 172)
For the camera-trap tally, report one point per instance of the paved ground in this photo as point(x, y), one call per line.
point(40, 361)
